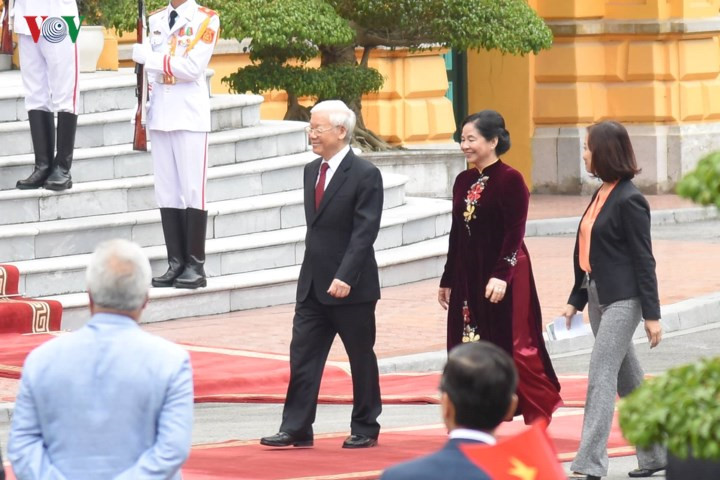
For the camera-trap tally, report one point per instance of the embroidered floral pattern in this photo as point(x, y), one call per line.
point(511, 259)
point(469, 334)
point(472, 198)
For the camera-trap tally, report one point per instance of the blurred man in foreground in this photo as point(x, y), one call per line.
point(109, 400)
point(478, 393)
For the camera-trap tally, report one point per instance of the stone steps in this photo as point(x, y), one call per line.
point(416, 221)
point(255, 206)
point(123, 195)
point(238, 216)
point(115, 127)
point(265, 140)
point(264, 288)
point(99, 92)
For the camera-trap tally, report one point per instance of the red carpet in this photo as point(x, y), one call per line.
point(226, 375)
point(248, 460)
point(24, 315)
point(573, 389)
point(15, 348)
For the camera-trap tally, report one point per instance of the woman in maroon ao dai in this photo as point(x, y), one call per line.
point(487, 286)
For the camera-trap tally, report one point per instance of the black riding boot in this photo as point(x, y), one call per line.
point(173, 225)
point(194, 274)
point(42, 131)
point(59, 178)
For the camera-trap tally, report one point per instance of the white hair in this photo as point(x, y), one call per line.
point(339, 115)
point(118, 275)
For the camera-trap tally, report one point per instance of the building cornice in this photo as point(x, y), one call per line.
point(577, 28)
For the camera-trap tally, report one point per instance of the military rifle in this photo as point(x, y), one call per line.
point(6, 45)
point(141, 90)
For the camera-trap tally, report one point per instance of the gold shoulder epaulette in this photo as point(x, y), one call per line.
point(207, 11)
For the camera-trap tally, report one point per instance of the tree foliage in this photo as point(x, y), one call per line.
point(284, 29)
point(510, 26)
point(702, 185)
point(679, 410)
point(286, 34)
point(118, 14)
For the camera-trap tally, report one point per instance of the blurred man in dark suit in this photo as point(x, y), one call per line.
point(478, 393)
point(338, 285)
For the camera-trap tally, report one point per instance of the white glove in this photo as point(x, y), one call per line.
point(140, 52)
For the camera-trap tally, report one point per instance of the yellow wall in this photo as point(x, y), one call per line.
point(620, 59)
point(411, 107)
point(502, 83)
point(625, 9)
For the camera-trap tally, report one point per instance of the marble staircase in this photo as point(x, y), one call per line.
point(256, 220)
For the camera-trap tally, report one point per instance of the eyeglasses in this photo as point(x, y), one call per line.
point(319, 130)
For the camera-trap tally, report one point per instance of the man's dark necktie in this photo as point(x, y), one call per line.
point(173, 16)
point(320, 187)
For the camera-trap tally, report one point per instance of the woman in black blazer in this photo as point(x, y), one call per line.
point(615, 277)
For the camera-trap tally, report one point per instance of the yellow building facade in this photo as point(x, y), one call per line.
point(653, 65)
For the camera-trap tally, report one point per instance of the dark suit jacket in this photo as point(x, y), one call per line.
point(340, 234)
point(621, 255)
point(448, 463)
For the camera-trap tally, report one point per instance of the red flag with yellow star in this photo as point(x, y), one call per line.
point(529, 455)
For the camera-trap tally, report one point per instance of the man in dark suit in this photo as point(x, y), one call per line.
point(338, 285)
point(478, 392)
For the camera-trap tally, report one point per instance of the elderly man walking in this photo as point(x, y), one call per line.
point(109, 400)
point(338, 285)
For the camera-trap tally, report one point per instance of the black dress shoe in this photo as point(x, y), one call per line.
point(582, 476)
point(644, 472)
point(359, 441)
point(282, 439)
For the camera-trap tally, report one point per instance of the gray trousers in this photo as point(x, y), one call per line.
point(614, 367)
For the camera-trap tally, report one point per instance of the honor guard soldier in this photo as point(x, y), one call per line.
point(182, 38)
point(49, 69)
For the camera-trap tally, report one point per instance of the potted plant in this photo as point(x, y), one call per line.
point(680, 410)
point(91, 37)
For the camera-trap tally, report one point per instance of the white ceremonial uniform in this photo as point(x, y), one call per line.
point(179, 109)
point(49, 67)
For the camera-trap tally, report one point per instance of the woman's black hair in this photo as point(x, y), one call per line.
point(491, 125)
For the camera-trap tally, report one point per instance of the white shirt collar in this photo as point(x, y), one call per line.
point(334, 162)
point(184, 10)
point(467, 434)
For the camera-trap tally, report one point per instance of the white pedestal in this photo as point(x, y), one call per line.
point(5, 62)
